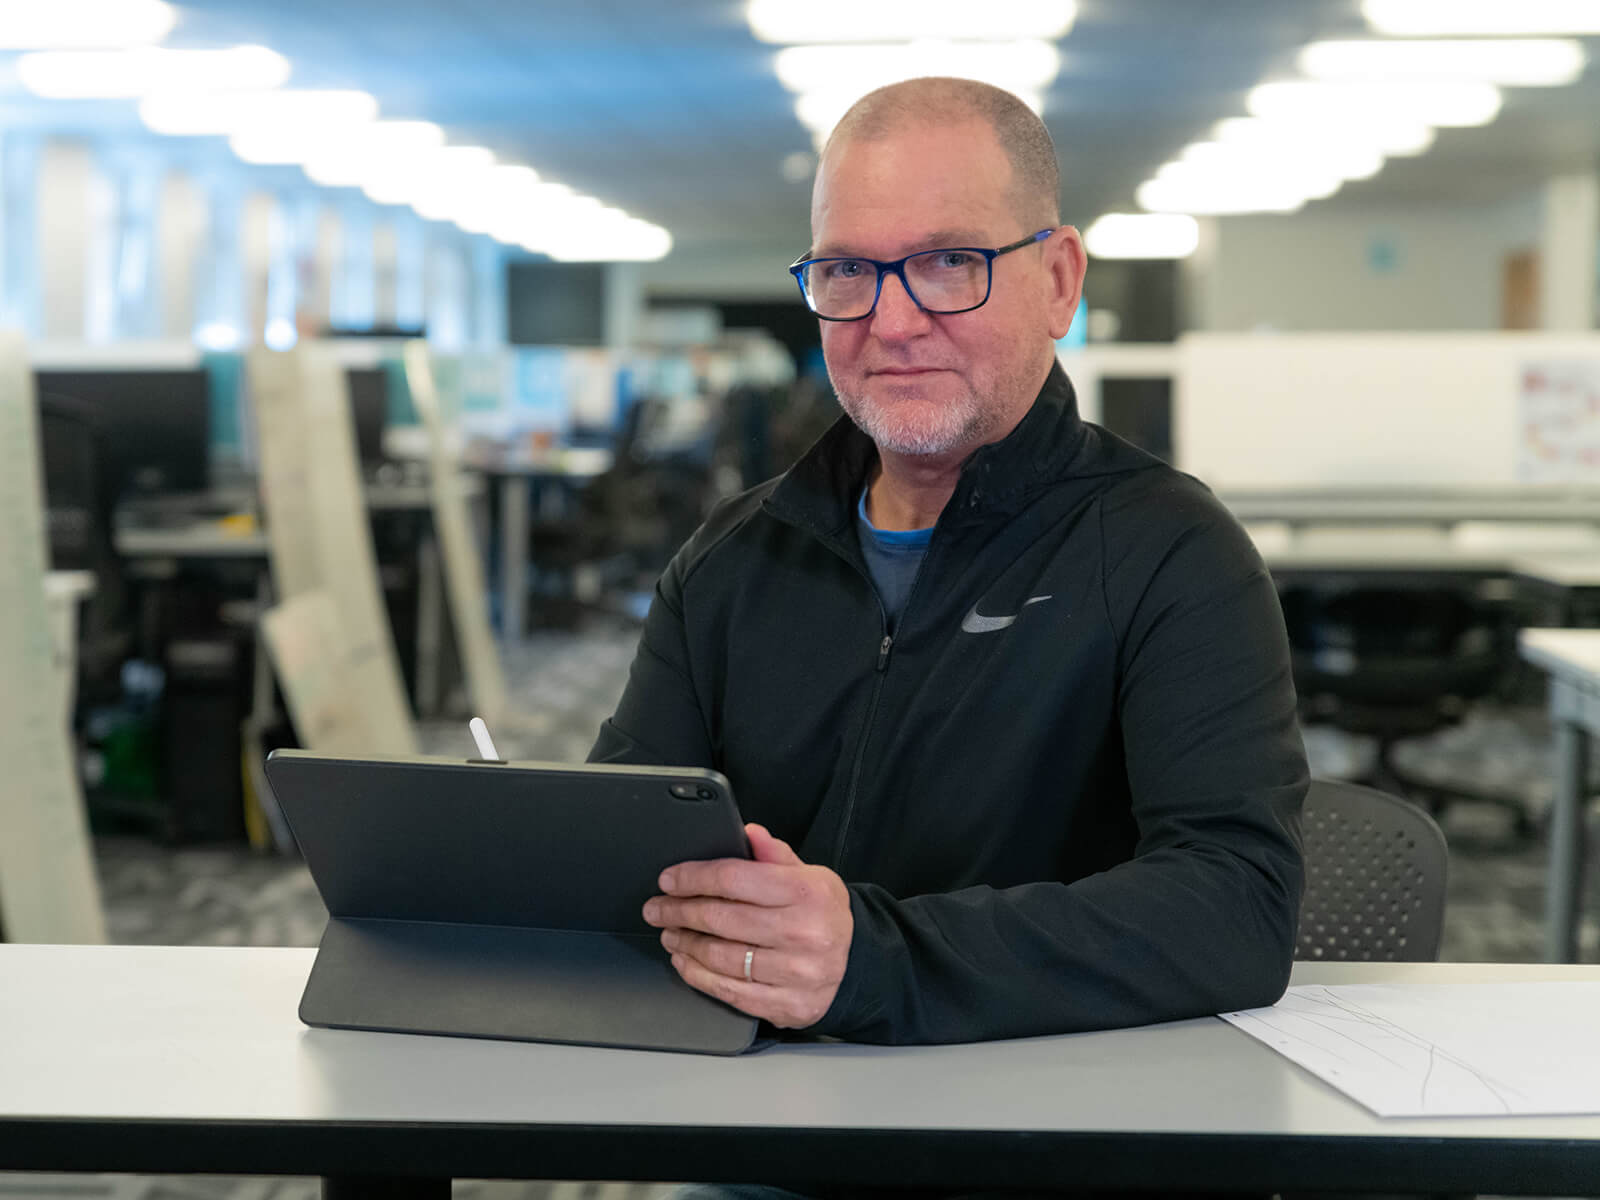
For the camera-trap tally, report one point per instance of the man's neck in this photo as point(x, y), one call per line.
point(910, 491)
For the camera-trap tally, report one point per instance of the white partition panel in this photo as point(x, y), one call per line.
point(317, 523)
point(321, 669)
point(48, 889)
point(463, 567)
point(1377, 410)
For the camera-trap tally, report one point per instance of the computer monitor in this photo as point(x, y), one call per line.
point(155, 427)
point(369, 410)
point(555, 304)
point(68, 439)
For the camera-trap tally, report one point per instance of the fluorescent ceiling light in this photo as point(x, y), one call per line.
point(1335, 161)
point(352, 156)
point(83, 24)
point(1505, 18)
point(1252, 177)
point(628, 240)
point(522, 215)
point(1528, 62)
point(146, 70)
point(1389, 138)
point(434, 183)
point(346, 151)
point(507, 197)
point(1454, 104)
point(1143, 235)
point(787, 21)
point(1016, 65)
point(1167, 196)
point(320, 112)
point(820, 111)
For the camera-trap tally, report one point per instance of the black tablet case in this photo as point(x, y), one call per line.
point(503, 900)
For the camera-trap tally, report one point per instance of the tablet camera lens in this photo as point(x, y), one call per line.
point(704, 793)
point(683, 791)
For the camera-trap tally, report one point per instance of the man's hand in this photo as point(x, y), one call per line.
point(792, 920)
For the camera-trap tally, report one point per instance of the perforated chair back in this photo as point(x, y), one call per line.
point(1375, 876)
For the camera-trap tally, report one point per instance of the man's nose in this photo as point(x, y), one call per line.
point(897, 314)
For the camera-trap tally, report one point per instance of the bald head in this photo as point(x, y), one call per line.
point(941, 101)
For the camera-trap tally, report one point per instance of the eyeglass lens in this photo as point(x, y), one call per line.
point(940, 281)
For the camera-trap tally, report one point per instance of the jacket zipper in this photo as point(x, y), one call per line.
point(861, 753)
point(885, 648)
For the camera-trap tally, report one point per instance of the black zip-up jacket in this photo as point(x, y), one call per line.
point(1086, 818)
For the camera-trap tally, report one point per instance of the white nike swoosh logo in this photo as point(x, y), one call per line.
point(975, 622)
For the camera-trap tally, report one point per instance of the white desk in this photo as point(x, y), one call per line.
point(414, 495)
point(1572, 659)
point(202, 539)
point(1380, 551)
point(157, 1059)
point(1443, 507)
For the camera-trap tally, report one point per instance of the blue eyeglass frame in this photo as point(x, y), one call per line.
point(897, 267)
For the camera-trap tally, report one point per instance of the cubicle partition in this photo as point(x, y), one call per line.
point(1374, 411)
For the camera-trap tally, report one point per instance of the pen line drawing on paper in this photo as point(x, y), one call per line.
point(1492, 1086)
point(1329, 1014)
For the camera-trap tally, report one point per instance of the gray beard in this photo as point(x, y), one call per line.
point(964, 421)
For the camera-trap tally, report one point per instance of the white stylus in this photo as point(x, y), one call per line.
point(480, 734)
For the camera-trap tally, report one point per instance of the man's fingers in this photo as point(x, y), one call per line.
point(767, 964)
point(750, 924)
point(768, 849)
point(787, 1008)
point(768, 884)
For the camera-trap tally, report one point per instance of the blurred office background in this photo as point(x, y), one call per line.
point(529, 261)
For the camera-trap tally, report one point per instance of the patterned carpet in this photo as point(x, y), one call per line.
point(564, 684)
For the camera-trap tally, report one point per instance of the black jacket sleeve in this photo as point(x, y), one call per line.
point(1202, 920)
point(659, 720)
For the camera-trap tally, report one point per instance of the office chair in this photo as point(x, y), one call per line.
point(622, 527)
point(1394, 661)
point(1375, 877)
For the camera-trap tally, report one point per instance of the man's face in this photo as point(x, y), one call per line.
point(921, 383)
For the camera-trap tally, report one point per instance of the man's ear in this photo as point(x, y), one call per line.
point(1065, 262)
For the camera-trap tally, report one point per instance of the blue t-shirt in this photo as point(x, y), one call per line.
point(893, 556)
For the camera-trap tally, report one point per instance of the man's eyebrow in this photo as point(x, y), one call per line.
point(942, 240)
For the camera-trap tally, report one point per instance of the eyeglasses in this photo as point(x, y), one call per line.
point(955, 279)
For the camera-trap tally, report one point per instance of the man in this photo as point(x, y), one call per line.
point(1008, 700)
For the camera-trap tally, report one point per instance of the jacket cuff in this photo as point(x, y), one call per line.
point(859, 1000)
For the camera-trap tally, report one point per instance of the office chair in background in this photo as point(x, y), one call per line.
point(1375, 877)
point(620, 529)
point(1394, 661)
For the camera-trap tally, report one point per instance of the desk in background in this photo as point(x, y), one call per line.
point(1565, 586)
point(203, 539)
point(191, 1059)
point(1571, 657)
point(566, 467)
point(1442, 507)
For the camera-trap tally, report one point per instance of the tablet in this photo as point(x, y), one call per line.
point(487, 899)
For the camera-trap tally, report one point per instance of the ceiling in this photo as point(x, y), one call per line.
point(670, 108)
